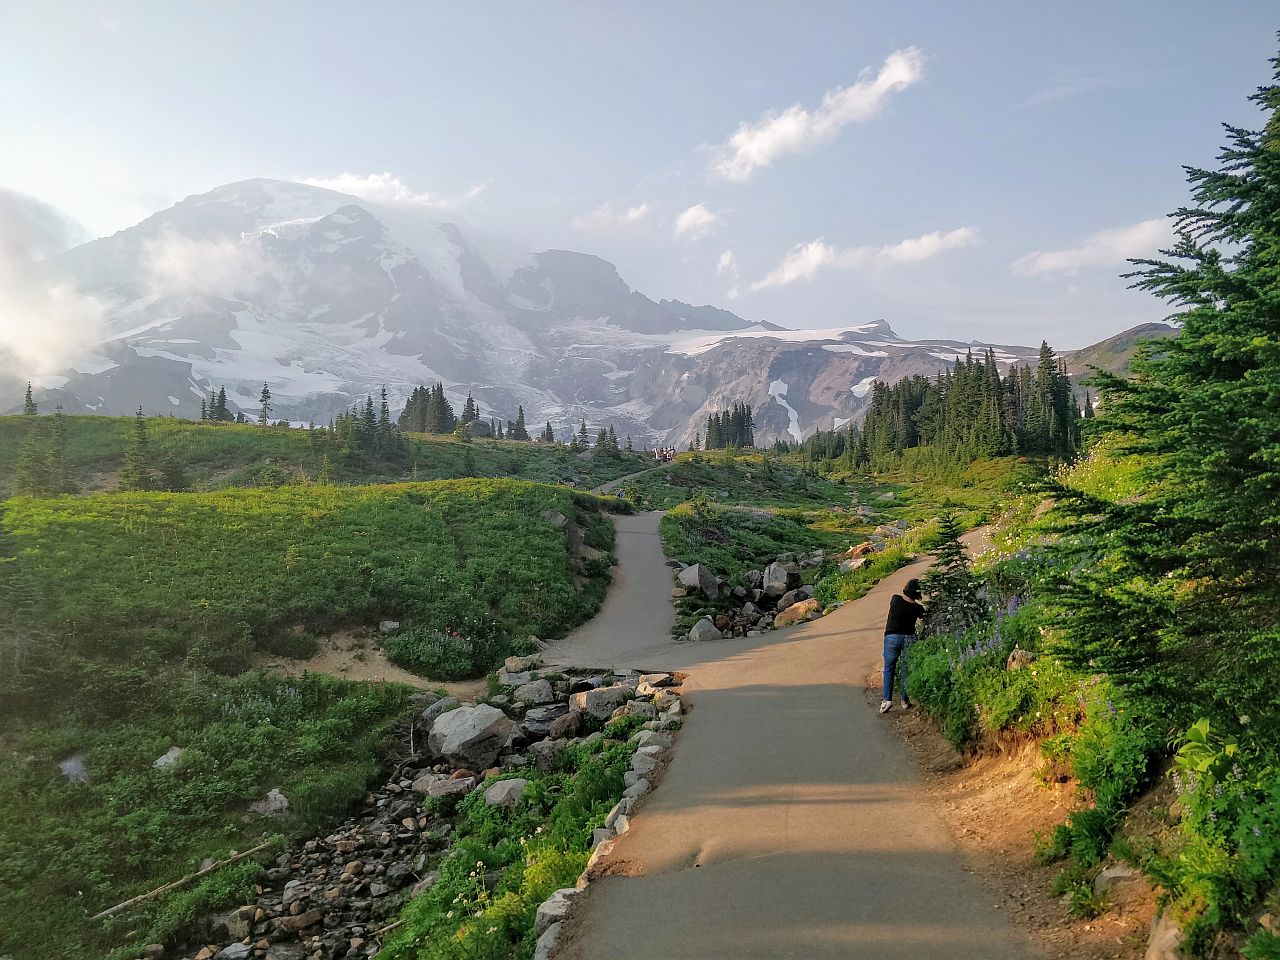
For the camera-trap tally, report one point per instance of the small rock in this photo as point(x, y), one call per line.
point(235, 951)
point(275, 804)
point(1165, 941)
point(73, 768)
point(554, 909)
point(443, 788)
point(565, 726)
point(1019, 658)
point(642, 763)
point(302, 921)
point(435, 710)
point(428, 881)
point(698, 577)
point(153, 951)
point(505, 793)
point(637, 789)
point(169, 759)
point(388, 626)
point(642, 708)
point(704, 629)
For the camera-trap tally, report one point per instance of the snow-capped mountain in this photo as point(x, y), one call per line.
point(326, 297)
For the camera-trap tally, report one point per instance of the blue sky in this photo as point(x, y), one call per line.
point(978, 170)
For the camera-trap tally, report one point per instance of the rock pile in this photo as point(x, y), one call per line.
point(332, 896)
point(772, 597)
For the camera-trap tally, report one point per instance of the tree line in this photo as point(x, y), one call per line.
point(967, 412)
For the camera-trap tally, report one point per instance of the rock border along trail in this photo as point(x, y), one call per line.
point(790, 822)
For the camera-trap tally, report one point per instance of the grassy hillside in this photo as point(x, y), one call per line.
point(228, 455)
point(127, 612)
point(208, 577)
point(745, 478)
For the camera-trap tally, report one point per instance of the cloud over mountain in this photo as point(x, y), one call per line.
point(805, 260)
point(777, 134)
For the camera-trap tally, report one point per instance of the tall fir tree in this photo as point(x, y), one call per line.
point(137, 472)
point(29, 407)
point(59, 482)
point(519, 431)
point(1184, 609)
point(264, 406)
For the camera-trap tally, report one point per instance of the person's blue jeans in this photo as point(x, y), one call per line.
point(895, 648)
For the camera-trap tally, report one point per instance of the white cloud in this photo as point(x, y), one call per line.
point(1104, 248)
point(726, 262)
point(794, 130)
point(45, 322)
point(805, 260)
point(178, 266)
point(696, 222)
point(389, 189)
point(606, 215)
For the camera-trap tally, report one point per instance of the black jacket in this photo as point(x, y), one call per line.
point(903, 614)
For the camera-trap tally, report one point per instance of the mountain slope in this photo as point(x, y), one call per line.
point(328, 297)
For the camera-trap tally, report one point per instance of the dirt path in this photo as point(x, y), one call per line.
point(612, 485)
point(791, 823)
point(353, 655)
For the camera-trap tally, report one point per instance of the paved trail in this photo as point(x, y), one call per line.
point(790, 823)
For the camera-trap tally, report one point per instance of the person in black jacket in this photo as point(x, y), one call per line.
point(900, 629)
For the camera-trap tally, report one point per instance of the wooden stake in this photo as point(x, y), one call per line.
point(119, 907)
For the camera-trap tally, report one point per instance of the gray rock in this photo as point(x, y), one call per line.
point(538, 721)
point(704, 629)
point(698, 577)
point(788, 599)
point(642, 708)
point(554, 909)
point(637, 789)
point(753, 579)
point(448, 788)
point(547, 943)
point(850, 565)
point(436, 710)
point(505, 793)
point(648, 738)
point(470, 736)
point(73, 769)
point(170, 758)
point(1120, 883)
point(515, 679)
point(750, 610)
point(423, 784)
point(545, 753)
point(275, 804)
point(389, 626)
point(600, 702)
point(806, 591)
point(643, 763)
point(556, 518)
point(235, 951)
point(779, 578)
point(537, 692)
point(521, 664)
point(1165, 941)
point(428, 881)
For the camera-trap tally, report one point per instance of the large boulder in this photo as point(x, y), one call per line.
point(432, 713)
point(850, 565)
point(798, 613)
point(779, 578)
point(704, 629)
point(698, 577)
point(470, 736)
point(1166, 939)
point(601, 702)
point(753, 579)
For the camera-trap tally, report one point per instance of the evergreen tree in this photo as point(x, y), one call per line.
point(204, 410)
point(583, 442)
point(31, 473)
point(630, 448)
point(1184, 609)
point(951, 590)
point(518, 430)
point(137, 472)
point(173, 476)
point(462, 432)
point(264, 409)
point(58, 480)
point(29, 407)
point(384, 420)
point(548, 435)
point(469, 411)
point(221, 413)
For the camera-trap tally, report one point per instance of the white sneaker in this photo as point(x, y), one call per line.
point(906, 704)
point(886, 706)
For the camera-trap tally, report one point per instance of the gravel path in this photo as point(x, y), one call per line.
point(790, 822)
